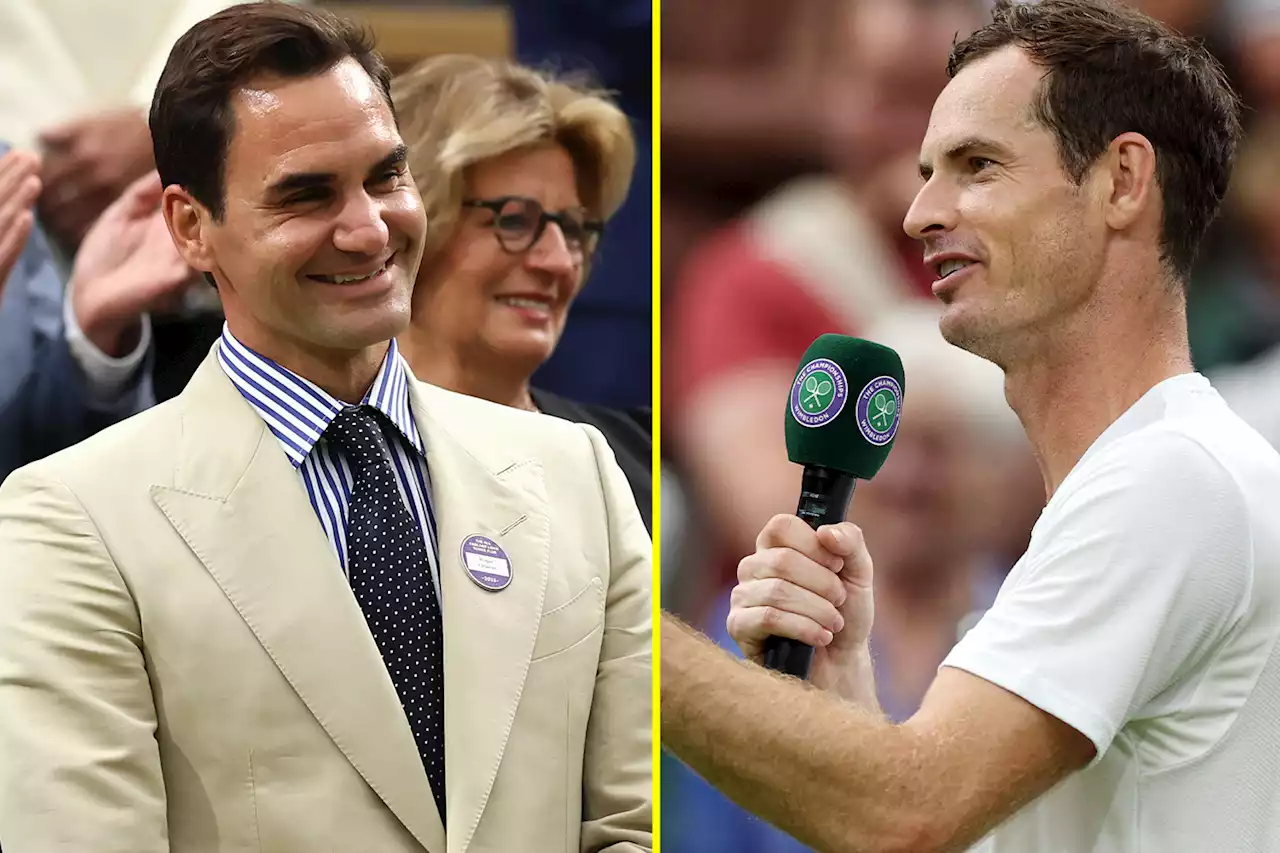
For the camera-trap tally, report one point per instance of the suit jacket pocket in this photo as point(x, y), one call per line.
point(571, 622)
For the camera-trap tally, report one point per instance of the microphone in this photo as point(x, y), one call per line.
point(842, 418)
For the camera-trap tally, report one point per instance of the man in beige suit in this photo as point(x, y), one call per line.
point(312, 604)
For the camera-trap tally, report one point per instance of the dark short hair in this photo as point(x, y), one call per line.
point(191, 118)
point(1110, 70)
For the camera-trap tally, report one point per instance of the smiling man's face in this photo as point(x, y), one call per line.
point(1014, 243)
point(323, 228)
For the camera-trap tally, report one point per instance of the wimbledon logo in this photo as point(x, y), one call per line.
point(819, 393)
point(879, 408)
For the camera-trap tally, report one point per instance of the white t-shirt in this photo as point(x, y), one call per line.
point(1145, 615)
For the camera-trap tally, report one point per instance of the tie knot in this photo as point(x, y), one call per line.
point(355, 430)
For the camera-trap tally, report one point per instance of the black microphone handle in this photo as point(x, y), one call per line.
point(824, 499)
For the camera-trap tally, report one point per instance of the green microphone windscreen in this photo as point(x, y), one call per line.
point(845, 405)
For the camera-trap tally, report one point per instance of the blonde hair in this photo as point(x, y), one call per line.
point(456, 111)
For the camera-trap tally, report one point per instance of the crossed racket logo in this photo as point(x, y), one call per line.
point(817, 391)
point(886, 407)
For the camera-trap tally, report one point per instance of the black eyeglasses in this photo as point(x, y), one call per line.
point(519, 222)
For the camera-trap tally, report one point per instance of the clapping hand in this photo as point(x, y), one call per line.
point(19, 188)
point(127, 266)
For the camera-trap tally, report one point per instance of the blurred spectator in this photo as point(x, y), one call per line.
point(822, 254)
point(928, 523)
point(1233, 309)
point(77, 79)
point(738, 108)
point(1194, 17)
point(518, 173)
point(72, 363)
point(1255, 29)
point(606, 353)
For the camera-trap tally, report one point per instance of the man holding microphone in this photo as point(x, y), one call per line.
point(1120, 695)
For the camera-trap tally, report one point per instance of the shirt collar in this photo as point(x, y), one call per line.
point(297, 411)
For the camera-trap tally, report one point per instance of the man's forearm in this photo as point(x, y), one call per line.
point(836, 777)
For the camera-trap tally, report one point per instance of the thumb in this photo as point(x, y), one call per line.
point(843, 539)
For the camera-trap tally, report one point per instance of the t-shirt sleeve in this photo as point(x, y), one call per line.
point(1132, 581)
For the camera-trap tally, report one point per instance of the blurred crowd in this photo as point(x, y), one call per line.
point(100, 318)
point(790, 144)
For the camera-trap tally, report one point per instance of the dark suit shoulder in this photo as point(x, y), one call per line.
point(123, 450)
point(628, 432)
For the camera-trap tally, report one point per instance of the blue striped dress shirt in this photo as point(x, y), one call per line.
point(298, 412)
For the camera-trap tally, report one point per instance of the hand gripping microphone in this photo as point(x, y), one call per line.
point(842, 417)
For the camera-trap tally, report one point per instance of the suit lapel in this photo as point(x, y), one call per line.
point(489, 636)
point(244, 512)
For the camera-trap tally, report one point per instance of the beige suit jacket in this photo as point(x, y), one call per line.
point(183, 666)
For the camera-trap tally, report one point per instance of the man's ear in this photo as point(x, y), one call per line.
point(190, 224)
point(1134, 190)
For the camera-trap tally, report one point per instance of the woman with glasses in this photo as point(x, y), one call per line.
point(518, 172)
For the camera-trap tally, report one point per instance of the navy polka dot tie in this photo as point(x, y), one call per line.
point(391, 578)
